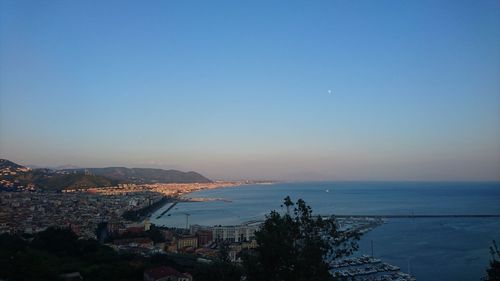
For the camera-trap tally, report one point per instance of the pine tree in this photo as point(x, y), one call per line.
point(293, 247)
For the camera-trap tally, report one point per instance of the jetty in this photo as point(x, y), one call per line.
point(411, 216)
point(166, 210)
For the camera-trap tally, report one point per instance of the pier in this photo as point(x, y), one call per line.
point(168, 209)
point(417, 216)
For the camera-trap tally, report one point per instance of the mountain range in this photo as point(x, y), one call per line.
point(15, 176)
point(142, 175)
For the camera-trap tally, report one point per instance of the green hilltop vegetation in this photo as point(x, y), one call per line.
point(54, 180)
point(75, 181)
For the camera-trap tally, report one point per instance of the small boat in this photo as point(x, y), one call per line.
point(327, 190)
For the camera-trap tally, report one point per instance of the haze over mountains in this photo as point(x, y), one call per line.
point(61, 167)
point(15, 176)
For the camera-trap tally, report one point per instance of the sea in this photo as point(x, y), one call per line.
point(431, 249)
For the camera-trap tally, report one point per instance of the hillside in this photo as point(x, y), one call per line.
point(144, 175)
point(75, 181)
point(17, 177)
point(6, 164)
point(53, 181)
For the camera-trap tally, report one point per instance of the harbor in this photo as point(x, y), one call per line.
point(367, 268)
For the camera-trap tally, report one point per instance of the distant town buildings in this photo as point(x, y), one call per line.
point(83, 209)
point(204, 237)
point(30, 212)
point(186, 241)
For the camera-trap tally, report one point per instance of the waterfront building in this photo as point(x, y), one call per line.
point(235, 233)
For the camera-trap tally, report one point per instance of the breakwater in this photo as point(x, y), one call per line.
point(140, 214)
point(418, 216)
point(168, 209)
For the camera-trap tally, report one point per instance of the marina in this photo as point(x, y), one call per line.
point(366, 268)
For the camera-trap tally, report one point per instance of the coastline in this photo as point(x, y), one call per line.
point(181, 196)
point(145, 212)
point(413, 233)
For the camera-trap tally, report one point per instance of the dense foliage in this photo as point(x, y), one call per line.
point(220, 269)
point(55, 251)
point(293, 247)
point(494, 269)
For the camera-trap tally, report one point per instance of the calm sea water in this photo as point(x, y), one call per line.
point(431, 249)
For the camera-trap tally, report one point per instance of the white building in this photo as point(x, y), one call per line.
point(235, 233)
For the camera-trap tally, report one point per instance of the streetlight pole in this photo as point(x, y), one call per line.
point(372, 247)
point(187, 220)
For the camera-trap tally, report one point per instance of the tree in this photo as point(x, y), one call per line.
point(155, 234)
point(295, 247)
point(494, 270)
point(220, 269)
point(55, 251)
point(223, 253)
point(62, 241)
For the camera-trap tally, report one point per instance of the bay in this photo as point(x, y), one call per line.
point(430, 248)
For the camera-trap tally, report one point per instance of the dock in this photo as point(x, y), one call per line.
point(418, 216)
point(166, 211)
point(367, 268)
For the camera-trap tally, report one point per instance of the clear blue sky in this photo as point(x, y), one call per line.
point(239, 89)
